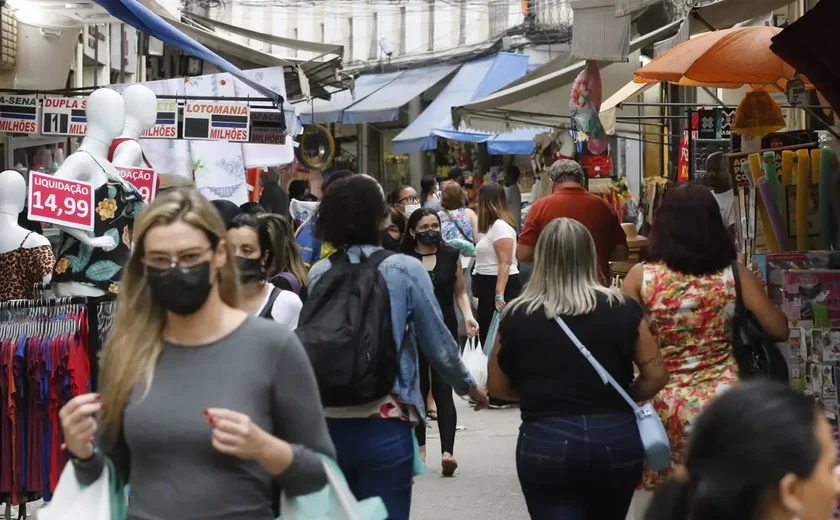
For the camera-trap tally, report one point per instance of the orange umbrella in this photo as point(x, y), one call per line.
point(722, 59)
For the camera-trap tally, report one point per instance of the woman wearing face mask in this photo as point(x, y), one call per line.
point(396, 227)
point(423, 241)
point(405, 199)
point(258, 258)
point(203, 406)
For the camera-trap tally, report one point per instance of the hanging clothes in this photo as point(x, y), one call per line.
point(45, 360)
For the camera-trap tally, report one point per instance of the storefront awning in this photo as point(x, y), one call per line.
point(474, 80)
point(320, 111)
point(384, 104)
point(610, 107)
point(518, 142)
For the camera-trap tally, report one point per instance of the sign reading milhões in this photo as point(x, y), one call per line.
point(216, 121)
point(64, 116)
point(166, 123)
point(267, 127)
point(19, 114)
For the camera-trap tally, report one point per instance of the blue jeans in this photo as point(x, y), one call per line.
point(377, 458)
point(579, 467)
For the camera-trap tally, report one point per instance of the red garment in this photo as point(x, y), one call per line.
point(113, 149)
point(35, 422)
point(78, 363)
point(6, 450)
point(58, 355)
point(591, 211)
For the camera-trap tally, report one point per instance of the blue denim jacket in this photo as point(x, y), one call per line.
point(414, 312)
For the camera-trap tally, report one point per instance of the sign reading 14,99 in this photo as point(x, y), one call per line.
point(63, 202)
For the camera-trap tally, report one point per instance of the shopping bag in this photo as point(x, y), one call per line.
point(72, 501)
point(334, 502)
point(490, 341)
point(475, 360)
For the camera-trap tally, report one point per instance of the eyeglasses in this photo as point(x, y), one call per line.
point(183, 260)
point(411, 199)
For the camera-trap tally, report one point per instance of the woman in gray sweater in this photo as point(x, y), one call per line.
point(202, 406)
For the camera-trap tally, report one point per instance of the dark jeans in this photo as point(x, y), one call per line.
point(377, 458)
point(579, 467)
point(446, 412)
point(484, 288)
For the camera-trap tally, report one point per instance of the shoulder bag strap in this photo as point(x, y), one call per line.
point(269, 305)
point(457, 226)
point(739, 299)
point(602, 372)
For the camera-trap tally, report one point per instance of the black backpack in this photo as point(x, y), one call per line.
point(345, 327)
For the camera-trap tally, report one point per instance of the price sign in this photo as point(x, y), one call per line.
point(64, 116)
point(19, 114)
point(60, 201)
point(166, 124)
point(796, 93)
point(268, 127)
point(216, 121)
point(144, 179)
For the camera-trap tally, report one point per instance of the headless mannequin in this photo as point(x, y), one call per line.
point(140, 115)
point(106, 119)
point(12, 201)
point(567, 144)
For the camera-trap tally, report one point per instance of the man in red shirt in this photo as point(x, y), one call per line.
point(571, 200)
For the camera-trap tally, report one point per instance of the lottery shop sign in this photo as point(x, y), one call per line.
point(144, 179)
point(166, 122)
point(19, 114)
point(63, 202)
point(216, 121)
point(64, 116)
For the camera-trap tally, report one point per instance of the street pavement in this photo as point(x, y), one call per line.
point(485, 485)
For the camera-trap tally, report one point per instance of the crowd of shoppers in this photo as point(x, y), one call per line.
point(205, 387)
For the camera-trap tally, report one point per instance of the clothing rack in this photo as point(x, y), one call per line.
point(49, 351)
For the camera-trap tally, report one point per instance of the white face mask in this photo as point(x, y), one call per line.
point(408, 209)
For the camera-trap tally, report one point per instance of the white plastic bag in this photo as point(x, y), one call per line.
point(71, 502)
point(476, 361)
point(334, 502)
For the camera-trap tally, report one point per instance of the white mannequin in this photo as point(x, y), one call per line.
point(12, 202)
point(567, 144)
point(140, 115)
point(105, 119)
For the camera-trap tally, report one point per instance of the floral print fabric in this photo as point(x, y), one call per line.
point(691, 318)
point(116, 205)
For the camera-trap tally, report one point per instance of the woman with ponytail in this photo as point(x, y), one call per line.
point(761, 451)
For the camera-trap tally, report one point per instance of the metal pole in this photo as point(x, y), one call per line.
point(96, 55)
point(690, 144)
point(122, 53)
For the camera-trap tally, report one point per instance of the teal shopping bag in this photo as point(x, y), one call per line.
point(334, 502)
point(491, 334)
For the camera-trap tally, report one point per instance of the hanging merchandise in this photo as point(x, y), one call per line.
point(584, 106)
point(317, 147)
point(597, 166)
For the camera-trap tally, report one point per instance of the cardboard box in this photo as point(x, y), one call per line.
point(771, 266)
point(800, 289)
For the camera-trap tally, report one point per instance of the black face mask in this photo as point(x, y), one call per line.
point(428, 238)
point(250, 269)
point(390, 243)
point(182, 291)
point(468, 186)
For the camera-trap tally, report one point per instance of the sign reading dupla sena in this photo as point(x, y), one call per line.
point(64, 116)
point(143, 179)
point(63, 202)
point(166, 123)
point(19, 114)
point(216, 121)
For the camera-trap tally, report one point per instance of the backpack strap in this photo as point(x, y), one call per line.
point(269, 306)
point(739, 299)
point(376, 258)
point(290, 279)
point(457, 226)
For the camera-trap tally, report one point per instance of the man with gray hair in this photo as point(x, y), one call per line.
point(718, 180)
point(571, 200)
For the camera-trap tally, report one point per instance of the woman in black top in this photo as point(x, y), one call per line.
point(422, 241)
point(579, 454)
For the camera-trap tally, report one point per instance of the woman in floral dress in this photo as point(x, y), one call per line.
point(687, 293)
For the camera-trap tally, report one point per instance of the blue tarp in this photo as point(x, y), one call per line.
point(141, 18)
point(475, 80)
point(520, 141)
point(384, 105)
point(320, 111)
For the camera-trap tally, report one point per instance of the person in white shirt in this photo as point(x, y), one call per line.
point(256, 256)
point(719, 181)
point(514, 195)
point(495, 278)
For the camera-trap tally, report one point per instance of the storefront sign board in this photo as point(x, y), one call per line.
point(64, 116)
point(63, 202)
point(216, 121)
point(19, 114)
point(166, 124)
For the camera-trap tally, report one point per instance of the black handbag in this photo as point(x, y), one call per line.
point(755, 350)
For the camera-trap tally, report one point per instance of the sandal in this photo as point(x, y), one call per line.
point(432, 415)
point(449, 465)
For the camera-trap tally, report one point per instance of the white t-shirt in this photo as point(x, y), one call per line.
point(286, 308)
point(726, 201)
point(486, 261)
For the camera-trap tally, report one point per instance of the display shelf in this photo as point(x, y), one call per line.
point(18, 142)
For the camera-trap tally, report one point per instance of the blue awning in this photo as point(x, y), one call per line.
point(384, 104)
point(320, 111)
point(141, 18)
point(520, 141)
point(475, 80)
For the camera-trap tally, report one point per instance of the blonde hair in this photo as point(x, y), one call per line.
point(286, 256)
point(564, 280)
point(136, 339)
